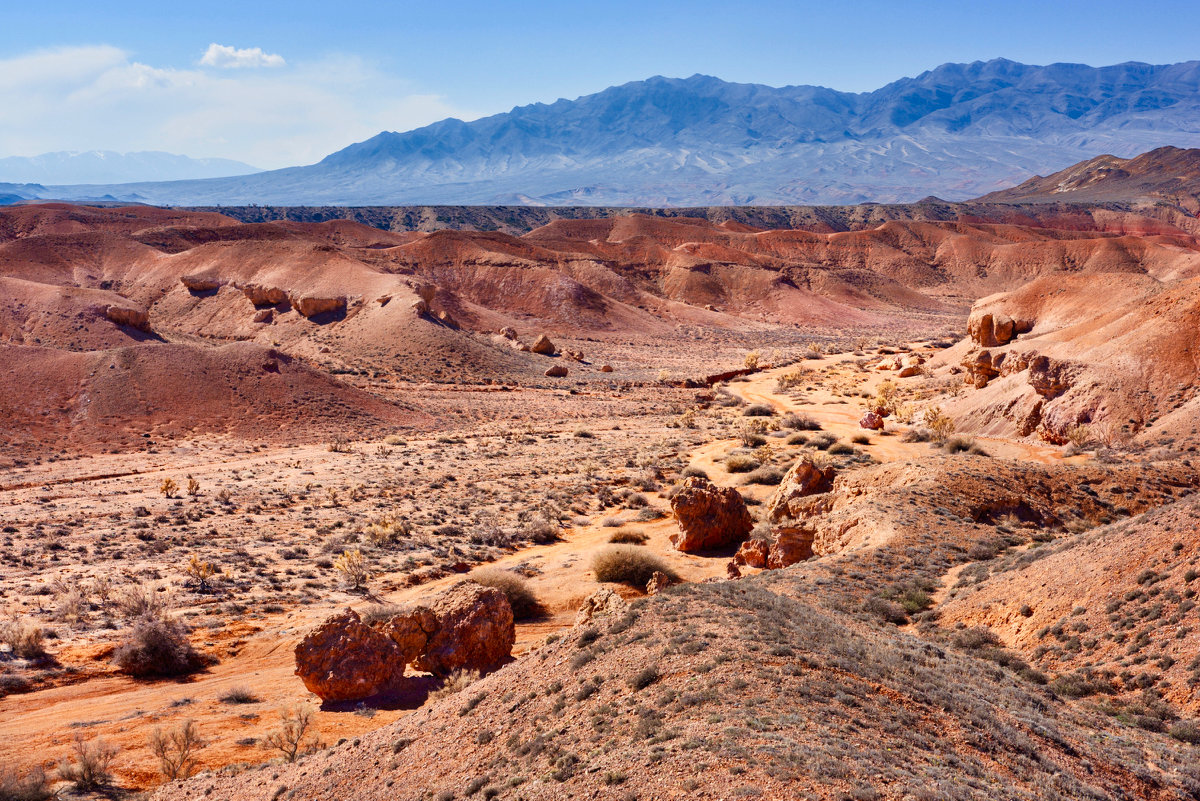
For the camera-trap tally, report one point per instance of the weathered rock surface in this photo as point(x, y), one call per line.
point(131, 316)
point(803, 479)
point(542, 345)
point(475, 630)
point(557, 371)
point(344, 659)
point(201, 283)
point(264, 295)
point(708, 516)
point(871, 422)
point(792, 544)
point(658, 582)
point(601, 603)
point(606, 368)
point(410, 631)
point(753, 553)
point(312, 305)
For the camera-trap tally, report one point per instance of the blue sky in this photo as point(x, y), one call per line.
point(291, 82)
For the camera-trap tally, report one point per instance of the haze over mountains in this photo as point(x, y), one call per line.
point(107, 166)
point(957, 131)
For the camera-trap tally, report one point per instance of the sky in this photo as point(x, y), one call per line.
point(278, 84)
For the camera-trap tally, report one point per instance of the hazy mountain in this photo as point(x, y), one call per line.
point(107, 167)
point(957, 131)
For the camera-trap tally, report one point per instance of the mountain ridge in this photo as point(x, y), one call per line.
point(957, 131)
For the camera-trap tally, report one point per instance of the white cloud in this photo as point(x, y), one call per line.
point(99, 98)
point(227, 57)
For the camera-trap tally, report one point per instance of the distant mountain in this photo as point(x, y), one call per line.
point(956, 132)
point(1165, 173)
point(107, 167)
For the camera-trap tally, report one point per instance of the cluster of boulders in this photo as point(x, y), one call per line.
point(906, 365)
point(992, 329)
point(467, 627)
point(307, 304)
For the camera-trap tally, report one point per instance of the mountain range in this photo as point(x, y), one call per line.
point(109, 167)
point(957, 131)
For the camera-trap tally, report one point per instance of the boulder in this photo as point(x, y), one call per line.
point(475, 630)
point(264, 295)
point(131, 316)
point(574, 355)
point(557, 371)
point(732, 571)
point(410, 631)
point(908, 372)
point(601, 603)
point(312, 305)
point(708, 516)
point(419, 307)
point(991, 330)
point(344, 659)
point(803, 479)
point(508, 332)
point(606, 368)
point(201, 283)
point(543, 346)
point(264, 315)
point(753, 553)
point(425, 292)
point(871, 422)
point(658, 582)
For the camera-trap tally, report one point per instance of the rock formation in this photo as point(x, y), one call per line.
point(344, 659)
point(708, 516)
point(601, 603)
point(542, 345)
point(475, 630)
point(557, 371)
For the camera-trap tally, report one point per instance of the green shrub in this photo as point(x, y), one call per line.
point(628, 564)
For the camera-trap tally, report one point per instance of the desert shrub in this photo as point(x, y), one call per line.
point(612, 521)
point(87, 767)
point(139, 601)
point(156, 647)
point(240, 695)
point(630, 537)
point(176, 749)
point(822, 441)
point(885, 610)
point(26, 640)
point(644, 678)
point(541, 532)
point(918, 434)
point(353, 567)
point(30, 786)
point(456, 682)
point(758, 410)
point(291, 738)
point(1186, 731)
point(628, 564)
point(961, 443)
point(941, 424)
point(976, 638)
point(840, 449)
point(648, 514)
point(765, 475)
point(524, 603)
point(796, 439)
point(688, 472)
point(740, 463)
point(861, 439)
point(799, 422)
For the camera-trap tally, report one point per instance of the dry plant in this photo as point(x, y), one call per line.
point(353, 567)
point(88, 767)
point(388, 529)
point(168, 487)
point(456, 682)
point(24, 639)
point(193, 487)
point(176, 749)
point(752, 360)
point(201, 571)
point(941, 424)
point(1079, 436)
point(291, 738)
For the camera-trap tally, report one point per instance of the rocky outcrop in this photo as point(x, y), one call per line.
point(542, 345)
point(1049, 377)
point(474, 630)
point(344, 659)
point(601, 603)
point(264, 316)
point(990, 330)
point(792, 544)
point(753, 553)
point(557, 371)
point(871, 422)
point(658, 582)
point(131, 316)
point(508, 332)
point(805, 478)
point(419, 307)
point(201, 283)
point(313, 305)
point(263, 295)
point(708, 516)
point(411, 631)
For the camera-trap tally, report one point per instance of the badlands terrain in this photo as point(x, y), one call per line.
point(918, 484)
